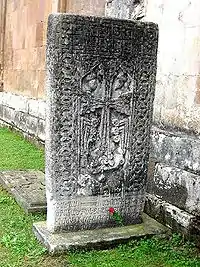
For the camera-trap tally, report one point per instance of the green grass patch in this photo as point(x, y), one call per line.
point(17, 153)
point(19, 248)
point(154, 252)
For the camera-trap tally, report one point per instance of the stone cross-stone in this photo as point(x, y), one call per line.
point(100, 90)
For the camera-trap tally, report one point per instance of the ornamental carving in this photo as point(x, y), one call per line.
point(104, 120)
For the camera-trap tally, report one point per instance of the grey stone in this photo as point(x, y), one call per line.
point(1, 111)
point(23, 114)
point(33, 107)
point(8, 114)
point(176, 149)
point(41, 129)
point(171, 216)
point(100, 90)
point(36, 108)
point(174, 180)
point(20, 120)
point(176, 186)
point(1, 98)
point(126, 9)
point(27, 187)
point(42, 109)
point(58, 243)
point(32, 125)
point(6, 98)
point(17, 102)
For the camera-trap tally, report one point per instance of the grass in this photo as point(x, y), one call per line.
point(17, 153)
point(19, 248)
point(155, 252)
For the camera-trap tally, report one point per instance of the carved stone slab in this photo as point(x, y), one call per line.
point(100, 90)
point(27, 187)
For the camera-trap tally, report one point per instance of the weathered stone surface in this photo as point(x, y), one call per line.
point(28, 115)
point(27, 187)
point(1, 111)
point(178, 65)
point(178, 187)
point(41, 109)
point(20, 120)
point(169, 215)
point(99, 238)
point(100, 90)
point(8, 114)
point(17, 102)
point(32, 125)
point(176, 149)
point(41, 129)
point(126, 9)
point(85, 7)
point(177, 91)
point(36, 108)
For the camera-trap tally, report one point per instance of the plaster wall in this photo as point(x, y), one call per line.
point(177, 99)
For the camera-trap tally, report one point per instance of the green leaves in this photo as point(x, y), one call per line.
point(118, 218)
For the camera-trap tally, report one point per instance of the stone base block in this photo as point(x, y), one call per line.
point(27, 187)
point(177, 187)
point(24, 114)
point(58, 243)
point(176, 219)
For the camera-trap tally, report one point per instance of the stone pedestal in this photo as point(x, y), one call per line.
point(100, 90)
point(58, 243)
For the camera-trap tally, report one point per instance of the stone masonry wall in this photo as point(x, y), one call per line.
point(24, 114)
point(175, 186)
point(174, 173)
point(22, 61)
point(25, 40)
point(174, 180)
point(177, 101)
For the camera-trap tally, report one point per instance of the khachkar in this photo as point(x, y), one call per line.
point(100, 90)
